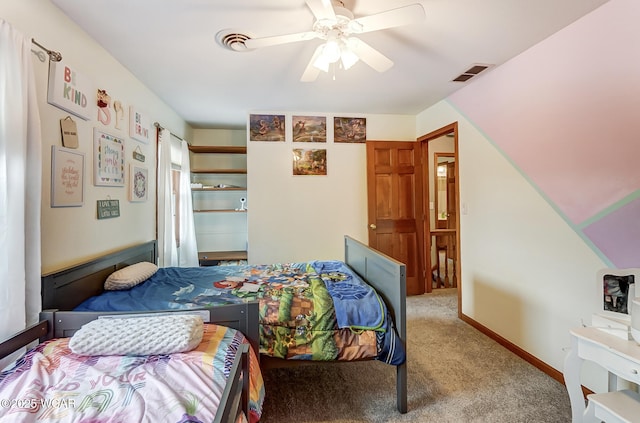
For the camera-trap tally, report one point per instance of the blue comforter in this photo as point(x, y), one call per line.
point(303, 316)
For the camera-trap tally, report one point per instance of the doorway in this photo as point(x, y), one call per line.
point(439, 151)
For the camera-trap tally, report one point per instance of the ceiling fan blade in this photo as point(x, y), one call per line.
point(406, 15)
point(253, 43)
point(322, 9)
point(311, 72)
point(369, 55)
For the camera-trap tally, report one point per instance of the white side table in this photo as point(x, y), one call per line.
point(621, 358)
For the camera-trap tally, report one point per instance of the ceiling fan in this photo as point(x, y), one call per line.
point(335, 24)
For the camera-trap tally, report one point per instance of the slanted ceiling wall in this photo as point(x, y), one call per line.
point(566, 114)
point(549, 180)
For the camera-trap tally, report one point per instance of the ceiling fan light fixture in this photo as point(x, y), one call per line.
point(348, 57)
point(321, 63)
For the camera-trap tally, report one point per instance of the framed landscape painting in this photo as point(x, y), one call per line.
point(309, 161)
point(266, 128)
point(347, 129)
point(309, 128)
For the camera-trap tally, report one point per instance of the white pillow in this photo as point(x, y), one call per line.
point(150, 335)
point(130, 276)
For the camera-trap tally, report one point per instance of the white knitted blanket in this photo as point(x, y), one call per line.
point(149, 335)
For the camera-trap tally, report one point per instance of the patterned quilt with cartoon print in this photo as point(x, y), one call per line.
point(317, 310)
point(52, 384)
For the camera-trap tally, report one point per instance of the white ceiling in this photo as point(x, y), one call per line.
point(170, 45)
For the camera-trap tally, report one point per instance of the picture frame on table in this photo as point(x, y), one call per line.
point(616, 289)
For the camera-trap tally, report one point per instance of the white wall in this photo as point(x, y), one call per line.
point(525, 273)
point(295, 218)
point(71, 235)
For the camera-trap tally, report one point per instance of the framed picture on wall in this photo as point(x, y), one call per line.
point(138, 183)
point(70, 90)
point(67, 177)
point(309, 161)
point(266, 128)
point(309, 128)
point(349, 129)
point(108, 159)
point(139, 125)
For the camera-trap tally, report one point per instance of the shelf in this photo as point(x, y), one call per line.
point(220, 211)
point(219, 189)
point(203, 149)
point(240, 171)
point(212, 258)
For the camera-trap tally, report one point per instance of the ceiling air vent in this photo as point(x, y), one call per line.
point(232, 39)
point(471, 72)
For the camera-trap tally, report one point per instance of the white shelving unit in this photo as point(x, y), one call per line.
point(219, 216)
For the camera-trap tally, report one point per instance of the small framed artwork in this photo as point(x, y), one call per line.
point(138, 183)
point(67, 177)
point(616, 289)
point(346, 129)
point(139, 125)
point(309, 161)
point(108, 159)
point(266, 128)
point(309, 128)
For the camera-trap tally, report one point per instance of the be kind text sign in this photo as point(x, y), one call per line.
point(70, 91)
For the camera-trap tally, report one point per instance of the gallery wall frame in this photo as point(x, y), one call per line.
point(67, 177)
point(70, 90)
point(139, 125)
point(309, 161)
point(350, 129)
point(138, 183)
point(309, 128)
point(108, 159)
point(267, 127)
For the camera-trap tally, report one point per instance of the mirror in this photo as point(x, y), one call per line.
point(444, 171)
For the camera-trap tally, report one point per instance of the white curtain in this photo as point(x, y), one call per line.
point(20, 184)
point(188, 245)
point(167, 248)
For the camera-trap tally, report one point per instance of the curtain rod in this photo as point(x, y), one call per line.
point(160, 127)
point(54, 56)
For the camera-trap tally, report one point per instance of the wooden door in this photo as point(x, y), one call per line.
point(394, 188)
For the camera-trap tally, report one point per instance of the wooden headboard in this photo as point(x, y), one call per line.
point(67, 288)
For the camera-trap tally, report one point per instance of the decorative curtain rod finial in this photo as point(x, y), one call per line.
point(54, 56)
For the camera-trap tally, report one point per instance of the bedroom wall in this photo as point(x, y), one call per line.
point(295, 218)
point(74, 234)
point(546, 163)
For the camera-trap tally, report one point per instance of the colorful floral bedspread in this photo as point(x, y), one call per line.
point(52, 384)
point(317, 310)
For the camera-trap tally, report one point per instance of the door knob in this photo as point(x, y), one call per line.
point(373, 226)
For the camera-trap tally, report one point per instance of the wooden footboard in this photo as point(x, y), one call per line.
point(388, 277)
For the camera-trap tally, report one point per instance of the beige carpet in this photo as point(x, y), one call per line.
point(456, 374)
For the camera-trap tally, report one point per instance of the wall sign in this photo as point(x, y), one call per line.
point(108, 160)
point(139, 125)
point(70, 91)
point(67, 177)
point(108, 209)
point(69, 132)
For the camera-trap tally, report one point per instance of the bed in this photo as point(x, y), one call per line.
point(82, 287)
point(219, 380)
